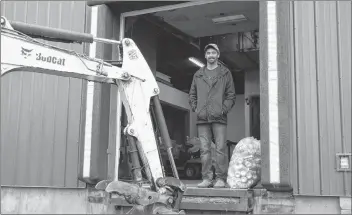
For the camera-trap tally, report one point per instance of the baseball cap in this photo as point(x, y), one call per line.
point(212, 45)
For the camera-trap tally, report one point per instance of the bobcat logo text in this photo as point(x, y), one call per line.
point(26, 53)
point(50, 59)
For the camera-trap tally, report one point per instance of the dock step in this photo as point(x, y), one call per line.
point(207, 199)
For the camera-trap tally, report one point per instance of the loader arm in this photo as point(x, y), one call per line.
point(136, 84)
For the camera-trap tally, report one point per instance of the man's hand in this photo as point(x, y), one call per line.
point(230, 94)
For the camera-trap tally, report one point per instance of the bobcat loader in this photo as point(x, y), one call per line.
point(20, 51)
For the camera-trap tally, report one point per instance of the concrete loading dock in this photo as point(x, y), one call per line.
point(292, 99)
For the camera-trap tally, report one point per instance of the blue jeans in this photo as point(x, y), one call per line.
point(205, 133)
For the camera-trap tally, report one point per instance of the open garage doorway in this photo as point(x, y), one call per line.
point(172, 41)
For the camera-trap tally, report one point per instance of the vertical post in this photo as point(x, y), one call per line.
point(118, 136)
point(274, 102)
point(272, 94)
point(89, 100)
point(118, 113)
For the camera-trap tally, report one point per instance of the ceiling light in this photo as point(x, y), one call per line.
point(231, 18)
point(196, 62)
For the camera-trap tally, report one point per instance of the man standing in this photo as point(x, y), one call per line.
point(212, 95)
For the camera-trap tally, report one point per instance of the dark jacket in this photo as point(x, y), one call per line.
point(212, 100)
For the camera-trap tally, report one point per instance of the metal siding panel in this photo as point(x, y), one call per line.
point(16, 125)
point(328, 92)
point(9, 9)
point(4, 123)
point(307, 119)
point(322, 46)
point(33, 7)
point(66, 20)
point(78, 19)
point(42, 15)
point(36, 132)
point(73, 134)
point(61, 127)
point(2, 8)
point(47, 142)
point(20, 11)
point(41, 122)
point(53, 16)
point(59, 112)
point(344, 10)
point(9, 127)
point(24, 127)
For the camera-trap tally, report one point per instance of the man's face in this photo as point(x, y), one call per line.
point(211, 55)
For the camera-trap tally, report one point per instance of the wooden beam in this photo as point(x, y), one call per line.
point(216, 192)
point(197, 203)
point(214, 204)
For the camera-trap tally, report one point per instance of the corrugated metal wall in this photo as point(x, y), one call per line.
point(41, 114)
point(322, 61)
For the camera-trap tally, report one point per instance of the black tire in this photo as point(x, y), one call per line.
point(192, 171)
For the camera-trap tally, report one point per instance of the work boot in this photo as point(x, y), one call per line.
point(219, 184)
point(205, 184)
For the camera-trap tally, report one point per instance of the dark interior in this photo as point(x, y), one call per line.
point(176, 122)
point(167, 46)
point(173, 53)
point(177, 39)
